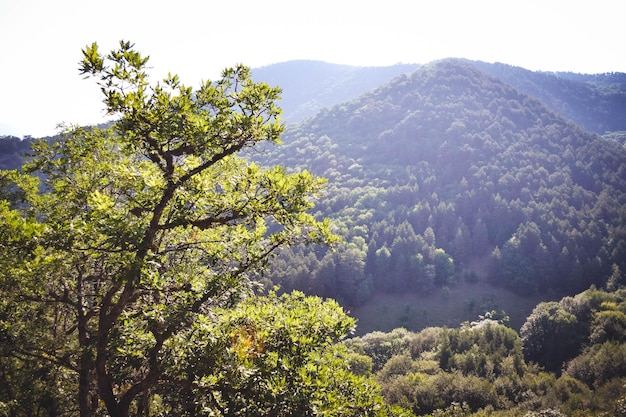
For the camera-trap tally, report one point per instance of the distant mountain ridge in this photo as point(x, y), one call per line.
point(309, 86)
point(597, 102)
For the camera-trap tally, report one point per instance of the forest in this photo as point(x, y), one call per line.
point(448, 175)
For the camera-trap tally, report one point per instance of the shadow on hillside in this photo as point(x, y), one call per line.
point(448, 307)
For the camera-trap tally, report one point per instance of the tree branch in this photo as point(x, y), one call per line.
point(204, 223)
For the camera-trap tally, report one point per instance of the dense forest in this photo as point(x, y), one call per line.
point(455, 173)
point(452, 173)
point(449, 174)
point(596, 102)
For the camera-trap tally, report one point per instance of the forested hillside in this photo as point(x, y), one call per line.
point(450, 174)
point(12, 151)
point(596, 102)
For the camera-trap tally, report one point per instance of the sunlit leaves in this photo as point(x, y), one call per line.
point(143, 229)
point(275, 355)
point(92, 61)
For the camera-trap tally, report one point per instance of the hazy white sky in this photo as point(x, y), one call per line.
point(41, 41)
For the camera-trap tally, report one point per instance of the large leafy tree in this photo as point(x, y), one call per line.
point(551, 335)
point(142, 233)
point(272, 356)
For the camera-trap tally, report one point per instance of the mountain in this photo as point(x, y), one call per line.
point(596, 102)
point(450, 175)
point(309, 86)
point(12, 151)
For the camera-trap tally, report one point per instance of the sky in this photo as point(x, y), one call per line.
point(41, 42)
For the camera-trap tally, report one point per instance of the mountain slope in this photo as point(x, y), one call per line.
point(309, 86)
point(451, 174)
point(596, 102)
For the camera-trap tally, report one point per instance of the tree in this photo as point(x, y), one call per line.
point(551, 335)
point(273, 356)
point(142, 229)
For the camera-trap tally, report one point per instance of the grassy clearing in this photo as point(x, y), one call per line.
point(444, 307)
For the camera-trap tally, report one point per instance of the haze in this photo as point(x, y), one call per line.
point(40, 42)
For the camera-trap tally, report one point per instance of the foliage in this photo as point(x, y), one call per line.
point(380, 346)
point(550, 336)
point(438, 173)
point(599, 363)
point(125, 277)
point(556, 332)
point(479, 369)
point(272, 356)
point(143, 240)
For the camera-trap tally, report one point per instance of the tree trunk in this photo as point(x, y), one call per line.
point(86, 362)
point(84, 384)
point(143, 404)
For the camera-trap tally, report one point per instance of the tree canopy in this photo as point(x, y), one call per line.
point(120, 271)
point(569, 360)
